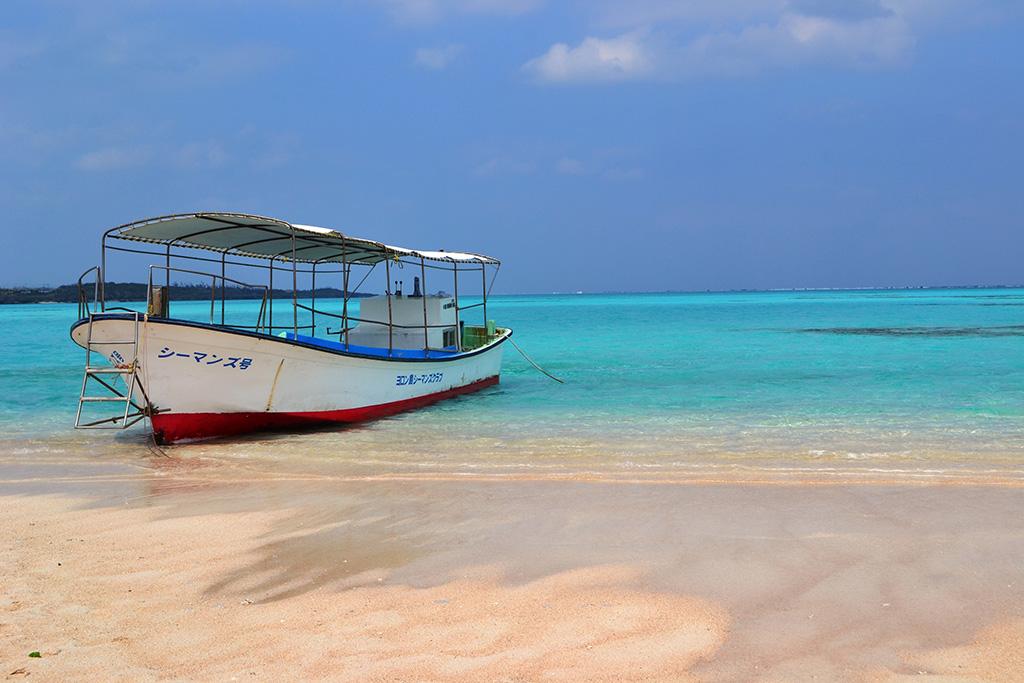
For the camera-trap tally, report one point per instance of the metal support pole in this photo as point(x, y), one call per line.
point(458, 332)
point(426, 334)
point(345, 269)
point(344, 302)
point(387, 289)
point(295, 292)
point(223, 283)
point(312, 312)
point(270, 316)
point(103, 274)
point(483, 275)
point(167, 281)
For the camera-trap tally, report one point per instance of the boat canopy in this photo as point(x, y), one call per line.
point(271, 238)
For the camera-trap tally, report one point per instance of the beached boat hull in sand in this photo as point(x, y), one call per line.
point(204, 381)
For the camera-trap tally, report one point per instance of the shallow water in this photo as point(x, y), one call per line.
point(919, 381)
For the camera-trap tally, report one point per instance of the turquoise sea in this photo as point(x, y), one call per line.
point(926, 381)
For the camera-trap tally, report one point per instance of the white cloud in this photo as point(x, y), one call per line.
point(26, 145)
point(718, 15)
point(130, 54)
point(437, 58)
point(265, 151)
point(191, 155)
point(14, 49)
point(604, 165)
point(849, 33)
point(569, 166)
point(199, 154)
point(623, 174)
point(793, 40)
point(427, 11)
point(595, 59)
point(503, 166)
point(615, 14)
point(844, 10)
point(114, 158)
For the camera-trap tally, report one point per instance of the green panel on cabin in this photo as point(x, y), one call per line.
point(475, 336)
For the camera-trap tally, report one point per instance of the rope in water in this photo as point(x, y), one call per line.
point(530, 361)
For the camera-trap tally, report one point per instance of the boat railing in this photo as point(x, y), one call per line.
point(346, 327)
point(351, 318)
point(258, 327)
point(417, 326)
point(84, 302)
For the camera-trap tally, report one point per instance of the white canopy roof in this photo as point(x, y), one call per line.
point(261, 237)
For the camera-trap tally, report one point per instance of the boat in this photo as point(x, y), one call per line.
point(242, 366)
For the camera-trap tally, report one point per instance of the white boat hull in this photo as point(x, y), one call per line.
point(204, 381)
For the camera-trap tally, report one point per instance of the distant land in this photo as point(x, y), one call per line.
point(776, 290)
point(136, 291)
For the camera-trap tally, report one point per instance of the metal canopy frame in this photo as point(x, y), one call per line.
point(342, 252)
point(159, 231)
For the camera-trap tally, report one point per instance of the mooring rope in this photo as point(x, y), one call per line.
point(530, 361)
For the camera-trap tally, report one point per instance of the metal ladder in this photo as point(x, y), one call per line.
point(127, 371)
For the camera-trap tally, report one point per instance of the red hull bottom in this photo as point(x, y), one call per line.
point(171, 427)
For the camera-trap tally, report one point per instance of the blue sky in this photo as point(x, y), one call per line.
point(648, 145)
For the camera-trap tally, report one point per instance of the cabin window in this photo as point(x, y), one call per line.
point(449, 337)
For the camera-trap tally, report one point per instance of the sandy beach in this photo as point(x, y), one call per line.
point(167, 568)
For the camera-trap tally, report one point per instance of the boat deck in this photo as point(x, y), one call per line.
point(370, 350)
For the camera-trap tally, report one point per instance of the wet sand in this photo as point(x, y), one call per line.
point(182, 569)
